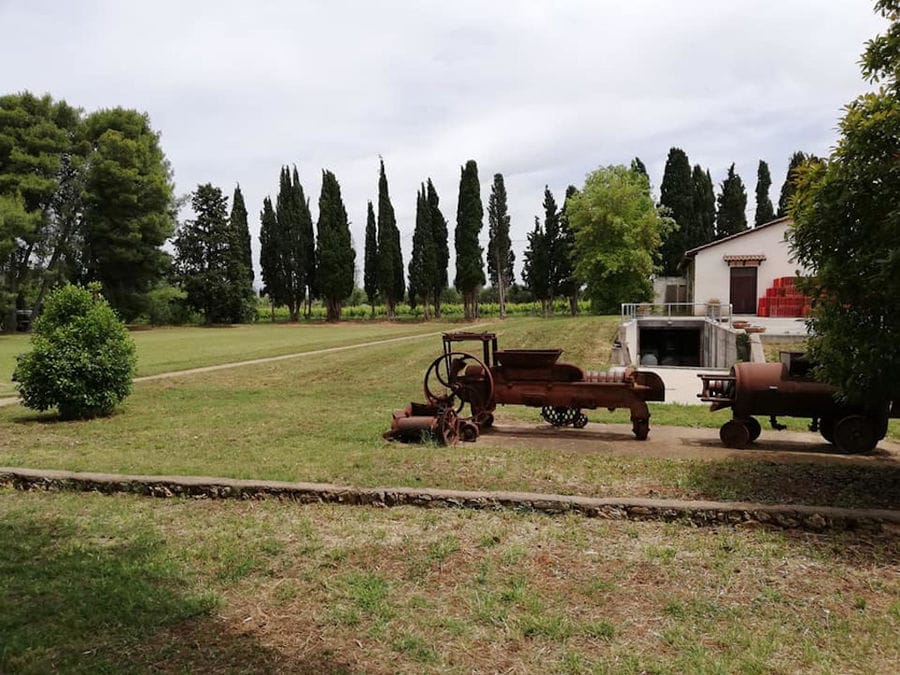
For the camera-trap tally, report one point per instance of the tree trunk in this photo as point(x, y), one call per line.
point(437, 305)
point(573, 304)
point(501, 287)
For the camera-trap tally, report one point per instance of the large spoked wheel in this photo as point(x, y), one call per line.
point(735, 434)
point(855, 434)
point(457, 380)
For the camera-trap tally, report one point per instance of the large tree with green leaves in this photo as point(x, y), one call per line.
point(469, 264)
point(129, 210)
point(764, 209)
point(423, 262)
point(334, 248)
point(731, 215)
point(618, 232)
point(500, 256)
point(847, 233)
point(704, 207)
point(789, 186)
point(390, 256)
point(677, 195)
point(440, 236)
point(370, 258)
point(209, 260)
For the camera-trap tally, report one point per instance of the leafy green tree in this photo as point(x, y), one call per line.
point(209, 259)
point(500, 258)
point(370, 273)
point(82, 360)
point(704, 208)
point(423, 262)
point(269, 256)
point(764, 209)
point(469, 214)
point(128, 209)
point(677, 195)
point(789, 186)
point(334, 248)
point(390, 256)
point(846, 222)
point(241, 231)
point(618, 232)
point(440, 236)
point(536, 266)
point(568, 284)
point(731, 216)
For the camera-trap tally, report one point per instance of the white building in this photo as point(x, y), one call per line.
point(738, 269)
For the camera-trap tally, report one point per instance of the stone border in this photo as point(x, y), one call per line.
point(816, 518)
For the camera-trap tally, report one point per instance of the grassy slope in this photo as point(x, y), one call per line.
point(321, 419)
point(124, 584)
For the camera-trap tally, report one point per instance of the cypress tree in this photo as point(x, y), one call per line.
point(704, 227)
point(241, 230)
point(500, 257)
point(440, 237)
point(638, 167)
point(569, 285)
point(334, 248)
point(306, 251)
point(552, 244)
point(536, 266)
point(288, 244)
point(764, 210)
point(732, 213)
point(423, 263)
point(370, 273)
point(677, 194)
point(390, 256)
point(269, 259)
point(789, 186)
point(469, 214)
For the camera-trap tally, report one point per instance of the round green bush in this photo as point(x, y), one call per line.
point(82, 360)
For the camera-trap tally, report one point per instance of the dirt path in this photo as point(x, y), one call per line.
point(268, 359)
point(682, 443)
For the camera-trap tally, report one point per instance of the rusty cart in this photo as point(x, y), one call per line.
point(788, 389)
point(473, 386)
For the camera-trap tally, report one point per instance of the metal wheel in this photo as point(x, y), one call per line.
point(558, 416)
point(855, 434)
point(641, 428)
point(580, 421)
point(753, 426)
point(456, 379)
point(468, 431)
point(448, 427)
point(735, 434)
point(826, 428)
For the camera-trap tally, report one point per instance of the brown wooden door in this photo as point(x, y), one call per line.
point(743, 290)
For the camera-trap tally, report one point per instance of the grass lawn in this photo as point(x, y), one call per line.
point(320, 419)
point(124, 584)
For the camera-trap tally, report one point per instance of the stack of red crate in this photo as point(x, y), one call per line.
point(783, 299)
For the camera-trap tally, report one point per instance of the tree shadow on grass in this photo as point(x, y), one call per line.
point(73, 601)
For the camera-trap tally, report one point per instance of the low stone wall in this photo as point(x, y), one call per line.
point(815, 518)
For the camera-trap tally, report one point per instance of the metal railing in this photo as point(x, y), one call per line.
point(716, 311)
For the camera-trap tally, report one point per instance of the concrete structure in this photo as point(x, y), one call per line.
point(677, 341)
point(738, 269)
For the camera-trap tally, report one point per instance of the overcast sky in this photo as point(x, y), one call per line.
point(542, 92)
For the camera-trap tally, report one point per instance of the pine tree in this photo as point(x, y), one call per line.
point(289, 244)
point(764, 210)
point(553, 244)
point(568, 284)
point(334, 248)
point(370, 273)
point(423, 262)
point(241, 230)
point(269, 258)
point(440, 237)
point(469, 214)
point(536, 266)
point(677, 195)
point(390, 256)
point(306, 251)
point(731, 217)
point(790, 186)
point(638, 166)
point(704, 227)
point(500, 256)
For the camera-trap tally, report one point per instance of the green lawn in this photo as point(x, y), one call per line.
point(320, 419)
point(122, 584)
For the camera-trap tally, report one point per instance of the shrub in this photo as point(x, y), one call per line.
point(82, 360)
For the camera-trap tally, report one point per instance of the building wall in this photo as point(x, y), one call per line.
point(712, 276)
